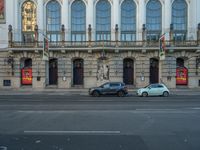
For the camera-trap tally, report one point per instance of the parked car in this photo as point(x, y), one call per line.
point(116, 88)
point(153, 90)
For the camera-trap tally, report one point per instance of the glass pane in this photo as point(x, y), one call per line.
point(53, 16)
point(103, 19)
point(154, 16)
point(78, 20)
point(179, 15)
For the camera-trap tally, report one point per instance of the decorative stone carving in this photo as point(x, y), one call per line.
point(103, 71)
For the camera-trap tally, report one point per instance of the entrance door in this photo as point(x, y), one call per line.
point(26, 71)
point(154, 70)
point(78, 72)
point(53, 72)
point(128, 71)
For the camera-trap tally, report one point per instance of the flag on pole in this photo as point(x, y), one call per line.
point(162, 47)
point(45, 49)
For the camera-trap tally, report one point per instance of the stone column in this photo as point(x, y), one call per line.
point(115, 9)
point(63, 35)
point(198, 34)
point(141, 16)
point(167, 17)
point(36, 35)
point(10, 36)
point(116, 34)
point(90, 18)
point(65, 17)
point(40, 19)
point(171, 34)
point(89, 35)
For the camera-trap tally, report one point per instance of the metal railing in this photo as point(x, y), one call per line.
point(101, 44)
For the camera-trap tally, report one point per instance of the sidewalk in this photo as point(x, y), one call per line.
point(83, 91)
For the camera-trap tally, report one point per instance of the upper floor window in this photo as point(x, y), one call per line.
point(29, 20)
point(53, 20)
point(153, 20)
point(78, 21)
point(179, 19)
point(128, 20)
point(103, 20)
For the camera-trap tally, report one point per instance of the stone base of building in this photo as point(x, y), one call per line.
point(89, 69)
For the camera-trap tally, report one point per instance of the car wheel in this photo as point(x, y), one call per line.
point(144, 94)
point(165, 94)
point(95, 94)
point(120, 94)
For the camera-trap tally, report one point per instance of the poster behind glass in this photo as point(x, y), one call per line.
point(2, 11)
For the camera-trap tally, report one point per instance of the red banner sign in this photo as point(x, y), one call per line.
point(27, 76)
point(181, 76)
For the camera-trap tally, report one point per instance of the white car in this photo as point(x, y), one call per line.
point(153, 90)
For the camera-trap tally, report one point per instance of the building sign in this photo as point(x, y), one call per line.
point(2, 11)
point(27, 76)
point(181, 76)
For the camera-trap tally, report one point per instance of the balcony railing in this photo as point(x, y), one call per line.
point(102, 44)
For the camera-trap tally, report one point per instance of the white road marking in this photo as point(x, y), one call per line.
point(196, 108)
point(72, 132)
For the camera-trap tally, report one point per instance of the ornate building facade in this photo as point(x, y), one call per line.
point(90, 42)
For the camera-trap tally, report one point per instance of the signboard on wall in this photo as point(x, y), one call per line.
point(181, 76)
point(27, 76)
point(2, 11)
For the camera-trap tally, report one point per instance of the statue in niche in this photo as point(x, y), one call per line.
point(102, 71)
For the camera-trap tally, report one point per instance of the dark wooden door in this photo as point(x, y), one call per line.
point(53, 72)
point(128, 71)
point(154, 70)
point(78, 72)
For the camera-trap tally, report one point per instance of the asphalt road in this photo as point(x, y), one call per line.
point(77, 122)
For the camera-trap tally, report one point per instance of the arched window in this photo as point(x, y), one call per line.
point(153, 20)
point(29, 20)
point(128, 20)
point(53, 20)
point(78, 21)
point(179, 19)
point(103, 20)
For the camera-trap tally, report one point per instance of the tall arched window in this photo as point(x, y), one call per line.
point(179, 19)
point(128, 20)
point(78, 21)
point(29, 20)
point(153, 20)
point(103, 20)
point(53, 20)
